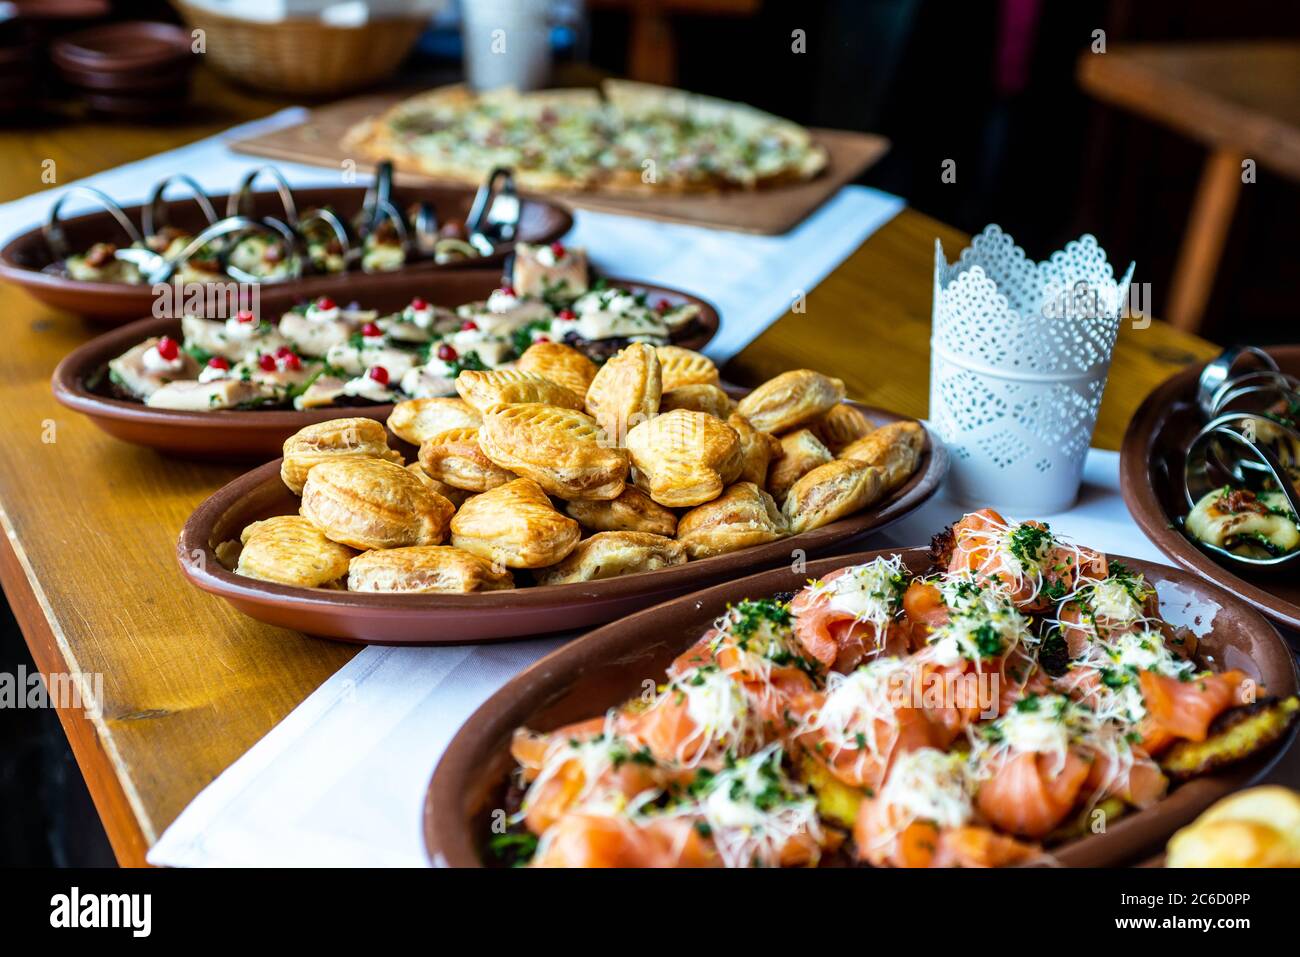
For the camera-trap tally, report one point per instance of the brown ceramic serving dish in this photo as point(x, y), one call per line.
point(24, 258)
point(610, 665)
point(464, 619)
point(257, 435)
point(1151, 479)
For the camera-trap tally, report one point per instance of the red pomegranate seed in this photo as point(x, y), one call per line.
point(244, 315)
point(283, 351)
point(663, 305)
point(324, 303)
point(370, 330)
point(266, 362)
point(168, 348)
point(557, 250)
point(507, 290)
point(447, 354)
point(290, 362)
point(219, 362)
point(419, 304)
point(567, 314)
point(469, 325)
point(379, 374)
point(542, 339)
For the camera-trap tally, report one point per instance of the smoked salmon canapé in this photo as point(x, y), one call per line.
point(980, 714)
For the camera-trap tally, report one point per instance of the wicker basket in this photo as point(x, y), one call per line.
point(304, 56)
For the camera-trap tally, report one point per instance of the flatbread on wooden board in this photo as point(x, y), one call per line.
point(800, 157)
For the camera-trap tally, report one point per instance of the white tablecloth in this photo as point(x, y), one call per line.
point(341, 781)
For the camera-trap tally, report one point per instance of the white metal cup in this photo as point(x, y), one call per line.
point(507, 43)
point(1019, 356)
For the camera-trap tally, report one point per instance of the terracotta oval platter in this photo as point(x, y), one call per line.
point(610, 665)
point(257, 435)
point(464, 619)
point(1151, 479)
point(24, 258)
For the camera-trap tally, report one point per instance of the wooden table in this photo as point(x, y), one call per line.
point(1242, 100)
point(90, 524)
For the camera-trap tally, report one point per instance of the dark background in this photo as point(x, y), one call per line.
point(1032, 152)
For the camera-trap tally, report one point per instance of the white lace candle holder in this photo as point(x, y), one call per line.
point(1019, 355)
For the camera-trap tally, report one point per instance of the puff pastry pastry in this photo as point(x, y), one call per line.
point(456, 496)
point(626, 391)
point(563, 451)
point(292, 551)
point(611, 554)
point(370, 503)
point(697, 398)
point(840, 425)
point(894, 448)
point(515, 525)
point(790, 400)
point(483, 390)
point(563, 365)
point(741, 517)
point(679, 367)
point(831, 491)
point(417, 420)
point(801, 452)
point(758, 450)
point(425, 569)
point(684, 458)
point(632, 511)
point(338, 438)
point(454, 457)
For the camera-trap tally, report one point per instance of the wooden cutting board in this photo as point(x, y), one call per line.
point(774, 211)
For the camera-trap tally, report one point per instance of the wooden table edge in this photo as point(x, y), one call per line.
point(119, 811)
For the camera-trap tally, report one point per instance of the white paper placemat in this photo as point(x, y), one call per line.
point(751, 279)
point(341, 781)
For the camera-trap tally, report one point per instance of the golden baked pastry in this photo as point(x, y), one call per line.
point(895, 449)
point(454, 457)
point(370, 503)
point(742, 516)
point(456, 496)
point(801, 452)
point(425, 569)
point(417, 420)
point(790, 400)
point(1258, 827)
point(483, 390)
point(679, 367)
point(684, 458)
point(626, 391)
point(840, 425)
point(338, 438)
point(697, 398)
point(611, 554)
point(831, 491)
point(515, 525)
point(563, 365)
point(758, 450)
point(292, 551)
point(564, 451)
point(632, 511)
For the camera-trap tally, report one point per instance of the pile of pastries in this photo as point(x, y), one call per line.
point(558, 471)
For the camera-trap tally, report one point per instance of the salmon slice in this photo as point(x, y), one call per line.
point(529, 748)
point(1184, 709)
point(882, 838)
point(591, 840)
point(924, 607)
point(1028, 796)
point(1140, 783)
point(847, 752)
point(837, 638)
point(981, 548)
point(974, 846)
